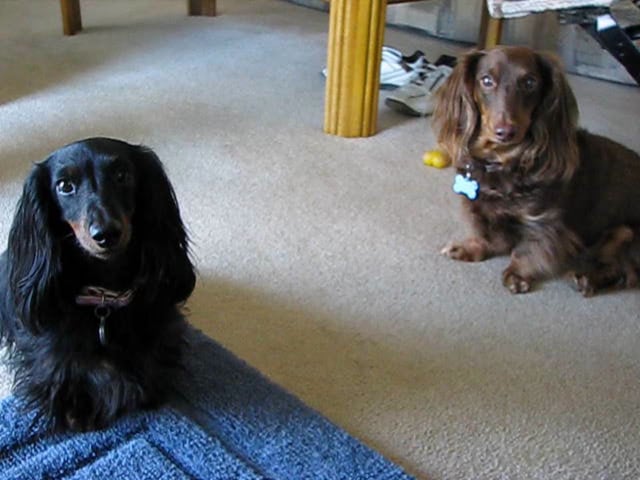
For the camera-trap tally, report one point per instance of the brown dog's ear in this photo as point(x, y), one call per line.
point(456, 116)
point(558, 96)
point(555, 121)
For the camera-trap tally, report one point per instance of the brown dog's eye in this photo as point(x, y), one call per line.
point(486, 81)
point(529, 84)
point(65, 187)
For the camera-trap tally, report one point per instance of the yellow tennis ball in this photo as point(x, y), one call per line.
point(436, 158)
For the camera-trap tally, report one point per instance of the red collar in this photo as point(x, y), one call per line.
point(98, 296)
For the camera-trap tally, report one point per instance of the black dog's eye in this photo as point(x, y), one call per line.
point(487, 81)
point(122, 176)
point(65, 187)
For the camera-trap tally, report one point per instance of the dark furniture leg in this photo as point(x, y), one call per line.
point(71, 19)
point(205, 8)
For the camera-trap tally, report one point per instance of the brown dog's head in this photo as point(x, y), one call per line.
point(506, 105)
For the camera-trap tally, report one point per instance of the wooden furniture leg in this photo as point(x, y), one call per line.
point(356, 33)
point(71, 19)
point(490, 29)
point(205, 8)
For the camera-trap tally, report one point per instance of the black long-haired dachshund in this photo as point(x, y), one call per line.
point(96, 269)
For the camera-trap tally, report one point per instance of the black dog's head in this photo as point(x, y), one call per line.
point(93, 184)
point(97, 202)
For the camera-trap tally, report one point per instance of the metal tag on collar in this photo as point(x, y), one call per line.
point(102, 312)
point(466, 185)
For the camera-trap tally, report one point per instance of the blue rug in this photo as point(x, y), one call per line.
point(227, 422)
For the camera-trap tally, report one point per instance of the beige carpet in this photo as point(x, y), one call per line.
point(318, 255)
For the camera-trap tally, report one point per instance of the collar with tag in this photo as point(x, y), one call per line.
point(104, 301)
point(465, 184)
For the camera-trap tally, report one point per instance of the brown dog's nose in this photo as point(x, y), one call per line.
point(505, 132)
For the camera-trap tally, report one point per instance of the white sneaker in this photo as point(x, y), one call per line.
point(415, 60)
point(396, 69)
point(395, 74)
point(417, 98)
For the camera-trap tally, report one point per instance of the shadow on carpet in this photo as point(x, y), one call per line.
point(227, 422)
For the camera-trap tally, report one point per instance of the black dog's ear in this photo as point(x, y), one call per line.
point(33, 254)
point(165, 270)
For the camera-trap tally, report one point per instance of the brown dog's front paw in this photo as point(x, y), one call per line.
point(514, 282)
point(455, 251)
point(584, 285)
point(471, 250)
point(609, 277)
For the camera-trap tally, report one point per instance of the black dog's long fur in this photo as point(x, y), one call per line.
point(98, 212)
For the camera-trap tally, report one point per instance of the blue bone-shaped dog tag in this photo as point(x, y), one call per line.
point(467, 186)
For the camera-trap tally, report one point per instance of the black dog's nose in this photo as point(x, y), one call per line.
point(505, 132)
point(105, 236)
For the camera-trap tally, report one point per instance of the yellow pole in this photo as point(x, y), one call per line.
point(356, 33)
point(490, 29)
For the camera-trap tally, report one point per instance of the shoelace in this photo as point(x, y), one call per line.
point(430, 77)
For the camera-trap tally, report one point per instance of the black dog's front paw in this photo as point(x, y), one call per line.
point(73, 409)
point(81, 405)
point(79, 421)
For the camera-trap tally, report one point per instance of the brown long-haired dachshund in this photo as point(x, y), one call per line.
point(555, 197)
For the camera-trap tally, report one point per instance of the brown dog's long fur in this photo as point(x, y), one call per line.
point(555, 197)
